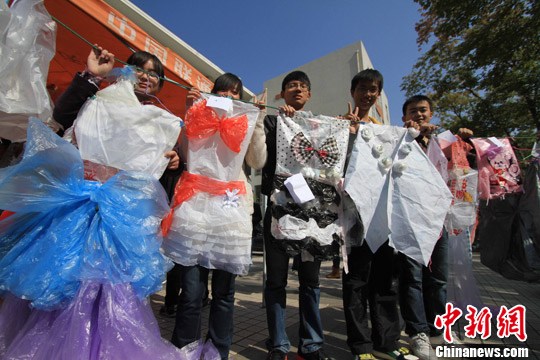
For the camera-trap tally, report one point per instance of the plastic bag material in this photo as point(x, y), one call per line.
point(529, 210)
point(498, 169)
point(458, 152)
point(204, 121)
point(501, 234)
point(114, 129)
point(314, 146)
point(208, 153)
point(103, 322)
point(438, 158)
point(66, 229)
point(199, 350)
point(27, 45)
point(397, 191)
point(211, 225)
point(463, 184)
point(462, 286)
point(314, 226)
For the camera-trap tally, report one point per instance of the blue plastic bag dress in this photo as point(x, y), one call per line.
point(79, 257)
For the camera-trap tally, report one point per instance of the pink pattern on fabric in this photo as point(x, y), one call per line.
point(499, 172)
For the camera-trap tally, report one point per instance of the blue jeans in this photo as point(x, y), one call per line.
point(188, 317)
point(422, 290)
point(277, 267)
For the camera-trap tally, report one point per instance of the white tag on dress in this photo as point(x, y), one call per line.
point(299, 189)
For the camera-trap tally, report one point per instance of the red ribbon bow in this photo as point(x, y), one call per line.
point(203, 121)
point(191, 184)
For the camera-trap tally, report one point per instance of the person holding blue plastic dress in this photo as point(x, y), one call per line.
point(80, 255)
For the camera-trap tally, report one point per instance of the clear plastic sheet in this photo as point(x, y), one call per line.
point(463, 183)
point(103, 322)
point(462, 287)
point(27, 45)
point(66, 229)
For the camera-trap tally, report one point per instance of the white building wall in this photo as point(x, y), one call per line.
point(331, 77)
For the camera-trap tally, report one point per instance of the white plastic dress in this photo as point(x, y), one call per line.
point(397, 191)
point(80, 257)
point(211, 225)
point(115, 129)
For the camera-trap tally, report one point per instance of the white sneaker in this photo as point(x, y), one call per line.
point(440, 340)
point(421, 347)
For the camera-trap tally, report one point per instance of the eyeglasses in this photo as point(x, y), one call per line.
point(296, 85)
point(150, 73)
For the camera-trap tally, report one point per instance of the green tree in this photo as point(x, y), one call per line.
point(481, 66)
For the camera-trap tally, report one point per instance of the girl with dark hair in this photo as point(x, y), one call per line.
point(148, 66)
point(211, 229)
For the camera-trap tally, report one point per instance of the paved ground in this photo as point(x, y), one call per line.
point(250, 317)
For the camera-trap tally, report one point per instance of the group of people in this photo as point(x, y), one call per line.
point(105, 313)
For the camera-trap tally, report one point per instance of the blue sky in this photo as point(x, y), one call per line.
point(258, 40)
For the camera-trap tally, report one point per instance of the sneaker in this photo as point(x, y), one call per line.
point(367, 356)
point(335, 274)
point(439, 340)
point(399, 354)
point(276, 355)
point(421, 347)
point(168, 311)
point(315, 355)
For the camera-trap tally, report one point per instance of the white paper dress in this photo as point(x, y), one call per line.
point(212, 225)
point(398, 192)
point(315, 147)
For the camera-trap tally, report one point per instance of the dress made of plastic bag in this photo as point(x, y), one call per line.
point(498, 168)
point(397, 191)
point(313, 149)
point(115, 129)
point(78, 258)
point(462, 182)
point(66, 229)
point(27, 45)
point(211, 219)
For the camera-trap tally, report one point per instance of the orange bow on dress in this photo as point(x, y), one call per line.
point(202, 121)
point(191, 184)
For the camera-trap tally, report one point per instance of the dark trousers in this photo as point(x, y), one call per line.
point(311, 336)
point(370, 282)
point(187, 327)
point(173, 286)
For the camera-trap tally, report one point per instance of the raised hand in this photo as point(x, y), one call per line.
point(352, 115)
point(100, 61)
